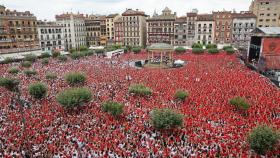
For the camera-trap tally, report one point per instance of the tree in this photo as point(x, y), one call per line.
point(26, 64)
point(180, 50)
point(209, 46)
point(197, 50)
point(45, 55)
point(136, 50)
point(99, 51)
point(29, 72)
point(114, 108)
point(13, 70)
point(55, 54)
point(30, 57)
point(51, 76)
point(10, 84)
point(240, 103)
point(45, 61)
point(181, 95)
point(197, 45)
point(230, 50)
point(227, 47)
point(8, 60)
point(37, 90)
point(213, 51)
point(140, 90)
point(166, 119)
point(76, 55)
point(62, 58)
point(83, 48)
point(263, 139)
point(74, 97)
point(75, 78)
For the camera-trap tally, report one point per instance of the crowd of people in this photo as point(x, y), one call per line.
point(212, 127)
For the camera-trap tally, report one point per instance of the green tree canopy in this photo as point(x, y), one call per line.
point(51, 76)
point(166, 119)
point(29, 72)
point(140, 89)
point(10, 84)
point(180, 50)
point(13, 70)
point(75, 78)
point(181, 95)
point(55, 54)
point(213, 50)
point(197, 50)
point(263, 139)
point(197, 45)
point(30, 57)
point(136, 49)
point(74, 97)
point(37, 90)
point(113, 108)
point(26, 64)
point(240, 103)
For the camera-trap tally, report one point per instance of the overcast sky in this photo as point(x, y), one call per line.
point(47, 9)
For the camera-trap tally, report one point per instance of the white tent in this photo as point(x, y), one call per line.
point(179, 62)
point(96, 47)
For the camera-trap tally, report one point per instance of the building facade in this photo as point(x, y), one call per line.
point(267, 12)
point(191, 20)
point(18, 31)
point(223, 27)
point(243, 24)
point(160, 28)
point(204, 31)
point(103, 36)
point(118, 31)
point(93, 30)
point(50, 36)
point(180, 31)
point(110, 21)
point(134, 28)
point(74, 30)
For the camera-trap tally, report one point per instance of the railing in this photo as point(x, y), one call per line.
point(5, 40)
point(17, 50)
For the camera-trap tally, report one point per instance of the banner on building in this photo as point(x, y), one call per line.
point(271, 46)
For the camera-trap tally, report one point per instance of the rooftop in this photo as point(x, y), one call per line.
point(130, 12)
point(267, 31)
point(160, 46)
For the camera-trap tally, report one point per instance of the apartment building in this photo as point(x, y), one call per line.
point(18, 30)
point(204, 31)
point(223, 27)
point(118, 31)
point(180, 31)
point(50, 36)
point(160, 28)
point(191, 20)
point(110, 21)
point(267, 12)
point(74, 29)
point(93, 30)
point(134, 27)
point(243, 24)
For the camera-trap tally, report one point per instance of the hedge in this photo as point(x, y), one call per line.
point(9, 83)
point(30, 57)
point(30, 72)
point(26, 64)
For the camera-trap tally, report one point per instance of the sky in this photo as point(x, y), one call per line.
point(47, 9)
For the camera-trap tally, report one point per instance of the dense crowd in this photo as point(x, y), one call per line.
point(212, 127)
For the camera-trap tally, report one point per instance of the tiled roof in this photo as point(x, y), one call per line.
point(205, 17)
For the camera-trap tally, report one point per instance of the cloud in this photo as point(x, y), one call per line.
point(47, 9)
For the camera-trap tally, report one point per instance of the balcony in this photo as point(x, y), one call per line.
point(6, 40)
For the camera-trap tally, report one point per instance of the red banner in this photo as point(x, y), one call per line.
point(271, 46)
